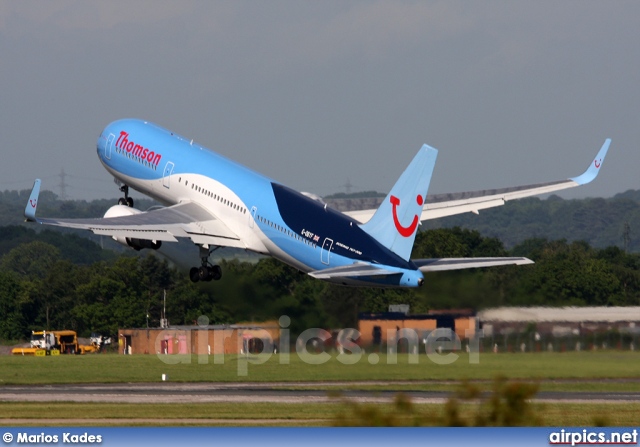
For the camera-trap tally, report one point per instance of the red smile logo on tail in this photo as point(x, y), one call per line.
point(404, 231)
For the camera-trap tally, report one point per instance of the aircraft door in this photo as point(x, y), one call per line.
point(108, 146)
point(166, 176)
point(252, 217)
point(325, 253)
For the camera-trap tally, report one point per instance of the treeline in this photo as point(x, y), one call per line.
point(12, 204)
point(39, 289)
point(600, 222)
point(355, 195)
point(43, 286)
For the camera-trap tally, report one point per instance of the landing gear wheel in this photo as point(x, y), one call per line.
point(126, 200)
point(204, 273)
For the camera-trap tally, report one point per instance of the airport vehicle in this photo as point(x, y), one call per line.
point(54, 343)
point(216, 202)
point(99, 342)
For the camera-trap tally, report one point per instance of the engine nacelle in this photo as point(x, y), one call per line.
point(121, 210)
point(135, 243)
point(139, 244)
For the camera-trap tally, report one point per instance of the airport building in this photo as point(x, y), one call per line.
point(205, 339)
point(512, 329)
point(507, 329)
point(515, 329)
point(560, 321)
point(385, 328)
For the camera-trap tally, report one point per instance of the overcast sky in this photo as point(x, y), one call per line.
point(320, 92)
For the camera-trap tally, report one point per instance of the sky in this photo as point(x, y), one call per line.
point(320, 94)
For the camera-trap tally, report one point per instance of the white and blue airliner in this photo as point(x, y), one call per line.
point(216, 202)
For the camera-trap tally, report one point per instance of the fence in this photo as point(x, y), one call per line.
point(534, 342)
point(522, 342)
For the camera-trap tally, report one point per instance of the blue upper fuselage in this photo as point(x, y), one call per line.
point(302, 232)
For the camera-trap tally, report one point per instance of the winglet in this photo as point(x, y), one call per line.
point(592, 172)
point(30, 209)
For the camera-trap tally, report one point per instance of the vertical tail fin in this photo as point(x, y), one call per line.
point(395, 223)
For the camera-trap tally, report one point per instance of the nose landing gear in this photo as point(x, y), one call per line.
point(126, 200)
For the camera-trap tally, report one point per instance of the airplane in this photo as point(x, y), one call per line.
point(216, 202)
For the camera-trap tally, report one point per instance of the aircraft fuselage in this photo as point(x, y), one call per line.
point(268, 217)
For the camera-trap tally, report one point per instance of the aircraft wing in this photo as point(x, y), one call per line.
point(441, 264)
point(442, 205)
point(184, 220)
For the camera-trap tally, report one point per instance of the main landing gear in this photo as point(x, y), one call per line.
point(207, 271)
point(126, 200)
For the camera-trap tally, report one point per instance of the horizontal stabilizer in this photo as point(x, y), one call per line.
point(353, 270)
point(441, 264)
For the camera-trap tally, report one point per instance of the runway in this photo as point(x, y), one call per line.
point(282, 392)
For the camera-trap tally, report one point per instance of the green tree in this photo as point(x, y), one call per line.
point(33, 258)
point(13, 318)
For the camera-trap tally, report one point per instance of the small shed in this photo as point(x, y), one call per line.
point(376, 328)
point(206, 339)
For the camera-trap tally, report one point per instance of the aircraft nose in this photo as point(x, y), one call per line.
point(100, 145)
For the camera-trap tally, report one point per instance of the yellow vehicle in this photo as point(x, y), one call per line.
point(54, 343)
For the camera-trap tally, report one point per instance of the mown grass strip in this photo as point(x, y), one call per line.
point(113, 368)
point(544, 385)
point(319, 414)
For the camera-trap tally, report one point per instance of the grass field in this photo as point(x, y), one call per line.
point(262, 414)
point(571, 371)
point(113, 368)
point(149, 368)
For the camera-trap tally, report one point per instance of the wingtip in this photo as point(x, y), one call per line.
point(594, 168)
point(427, 148)
point(30, 209)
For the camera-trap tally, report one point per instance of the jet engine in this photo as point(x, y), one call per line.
point(135, 243)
